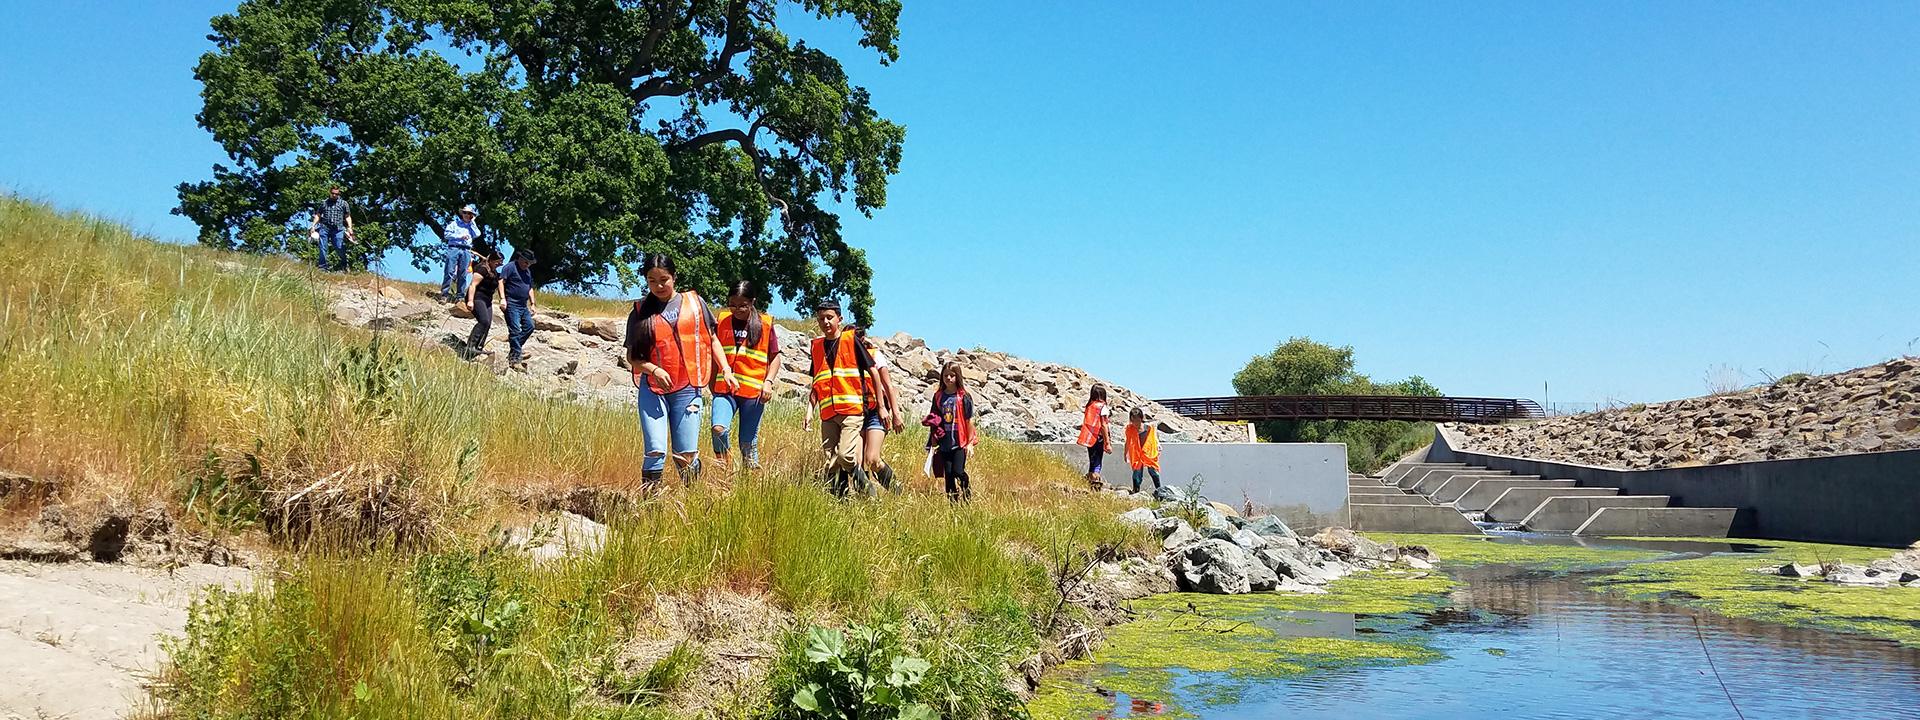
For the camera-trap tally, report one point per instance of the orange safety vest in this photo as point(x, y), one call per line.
point(1093, 427)
point(963, 426)
point(1143, 447)
point(684, 349)
point(749, 362)
point(839, 387)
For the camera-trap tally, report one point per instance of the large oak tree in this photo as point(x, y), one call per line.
point(590, 131)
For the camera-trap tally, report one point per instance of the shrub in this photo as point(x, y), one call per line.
point(856, 675)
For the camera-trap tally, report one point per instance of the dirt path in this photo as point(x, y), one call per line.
point(76, 640)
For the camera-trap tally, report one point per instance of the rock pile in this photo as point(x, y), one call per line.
point(1232, 555)
point(1901, 569)
point(1014, 397)
point(1871, 409)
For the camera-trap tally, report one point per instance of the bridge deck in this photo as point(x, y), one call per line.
point(1354, 407)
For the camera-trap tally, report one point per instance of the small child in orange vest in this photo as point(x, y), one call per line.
point(1093, 434)
point(1143, 448)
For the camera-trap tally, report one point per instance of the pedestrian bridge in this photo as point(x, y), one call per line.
point(1354, 407)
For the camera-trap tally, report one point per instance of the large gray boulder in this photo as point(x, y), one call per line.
point(1219, 567)
point(1300, 565)
point(1270, 525)
point(557, 536)
point(1140, 516)
point(1249, 540)
point(1182, 536)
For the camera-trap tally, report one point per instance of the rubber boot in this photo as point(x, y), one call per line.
point(861, 484)
point(885, 476)
point(690, 473)
point(650, 479)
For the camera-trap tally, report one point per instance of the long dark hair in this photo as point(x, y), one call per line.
point(744, 289)
point(960, 383)
point(1098, 394)
point(650, 304)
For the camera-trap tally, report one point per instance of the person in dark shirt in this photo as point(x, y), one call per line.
point(674, 353)
point(332, 226)
point(486, 280)
point(951, 437)
point(516, 282)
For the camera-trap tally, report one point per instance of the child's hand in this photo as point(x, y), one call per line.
point(660, 373)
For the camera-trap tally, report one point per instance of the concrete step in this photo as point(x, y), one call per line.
point(1393, 499)
point(1458, 485)
point(1411, 519)
point(1435, 479)
point(1516, 504)
point(1568, 512)
point(1659, 522)
point(1397, 472)
point(1483, 493)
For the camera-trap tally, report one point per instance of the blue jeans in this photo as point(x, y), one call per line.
point(724, 408)
point(674, 416)
point(453, 283)
point(519, 328)
point(336, 239)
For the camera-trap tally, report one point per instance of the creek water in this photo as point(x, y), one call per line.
point(1522, 645)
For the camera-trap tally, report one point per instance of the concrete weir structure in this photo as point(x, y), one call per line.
point(1304, 484)
point(1858, 499)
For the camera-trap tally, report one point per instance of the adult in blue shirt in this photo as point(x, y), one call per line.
point(516, 282)
point(460, 236)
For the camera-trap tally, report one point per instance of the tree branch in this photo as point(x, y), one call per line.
point(737, 41)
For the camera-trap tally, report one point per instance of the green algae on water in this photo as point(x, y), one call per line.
point(1488, 550)
point(1209, 649)
point(1725, 584)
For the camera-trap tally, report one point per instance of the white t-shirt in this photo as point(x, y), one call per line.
point(879, 360)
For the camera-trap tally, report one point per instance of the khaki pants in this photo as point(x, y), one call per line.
point(840, 440)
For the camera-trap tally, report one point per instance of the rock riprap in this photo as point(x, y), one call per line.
point(1871, 409)
point(1014, 397)
point(1230, 555)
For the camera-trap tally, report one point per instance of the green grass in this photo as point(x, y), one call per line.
point(141, 372)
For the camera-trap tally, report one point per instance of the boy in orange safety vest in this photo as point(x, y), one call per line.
point(842, 395)
point(1143, 448)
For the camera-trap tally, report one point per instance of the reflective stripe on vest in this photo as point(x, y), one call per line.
point(685, 348)
point(749, 362)
point(837, 386)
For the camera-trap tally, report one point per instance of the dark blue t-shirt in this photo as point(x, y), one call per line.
point(518, 284)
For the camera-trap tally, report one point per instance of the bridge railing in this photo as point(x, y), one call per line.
point(1354, 407)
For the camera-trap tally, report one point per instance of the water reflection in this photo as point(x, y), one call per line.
point(1528, 645)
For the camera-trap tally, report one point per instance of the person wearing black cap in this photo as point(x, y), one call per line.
point(516, 283)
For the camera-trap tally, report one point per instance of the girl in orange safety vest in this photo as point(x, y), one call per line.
point(1093, 433)
point(674, 354)
point(752, 346)
point(1143, 448)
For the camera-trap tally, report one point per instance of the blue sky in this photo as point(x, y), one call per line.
point(1616, 199)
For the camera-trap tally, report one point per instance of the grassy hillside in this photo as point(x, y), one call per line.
point(374, 473)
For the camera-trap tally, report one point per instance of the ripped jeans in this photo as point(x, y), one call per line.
point(675, 415)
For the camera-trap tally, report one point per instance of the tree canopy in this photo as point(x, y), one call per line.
point(589, 131)
point(1301, 366)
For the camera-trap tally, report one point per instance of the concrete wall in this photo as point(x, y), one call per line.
point(1305, 484)
point(1861, 499)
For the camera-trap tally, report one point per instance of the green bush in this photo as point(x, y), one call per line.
point(860, 674)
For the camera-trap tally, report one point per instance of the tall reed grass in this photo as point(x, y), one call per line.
point(136, 369)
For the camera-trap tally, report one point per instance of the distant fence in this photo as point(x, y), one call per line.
point(1354, 407)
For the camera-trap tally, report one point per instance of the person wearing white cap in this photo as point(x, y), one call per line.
point(461, 234)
